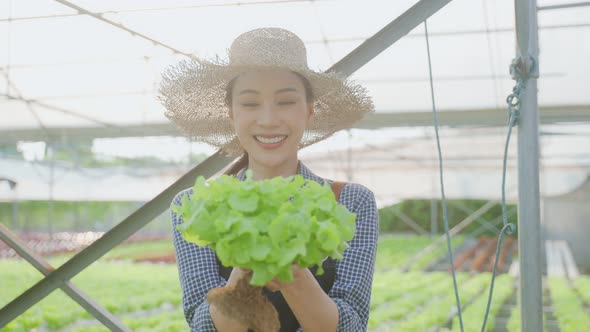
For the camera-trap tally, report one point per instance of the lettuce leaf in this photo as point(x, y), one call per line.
point(266, 225)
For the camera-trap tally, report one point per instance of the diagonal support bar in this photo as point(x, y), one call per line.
point(483, 222)
point(100, 17)
point(116, 235)
point(452, 232)
point(387, 36)
point(409, 221)
point(93, 307)
point(348, 65)
point(495, 222)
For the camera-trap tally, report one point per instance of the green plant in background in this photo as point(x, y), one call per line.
point(266, 225)
point(419, 210)
point(121, 287)
point(401, 301)
point(101, 216)
point(569, 308)
point(472, 317)
point(582, 284)
point(39, 216)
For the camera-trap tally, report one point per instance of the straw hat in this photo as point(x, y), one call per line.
point(193, 91)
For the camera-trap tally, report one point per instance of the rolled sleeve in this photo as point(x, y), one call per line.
point(198, 272)
point(202, 321)
point(354, 273)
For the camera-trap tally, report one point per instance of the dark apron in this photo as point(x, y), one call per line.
point(288, 321)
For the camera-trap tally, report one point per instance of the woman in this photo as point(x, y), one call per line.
point(264, 105)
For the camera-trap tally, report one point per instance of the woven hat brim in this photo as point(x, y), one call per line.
point(193, 93)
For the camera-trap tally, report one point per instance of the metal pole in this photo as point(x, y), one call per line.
point(15, 217)
point(95, 309)
point(433, 211)
point(529, 244)
point(433, 217)
point(50, 202)
point(15, 222)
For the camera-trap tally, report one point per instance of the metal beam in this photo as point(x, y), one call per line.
point(160, 9)
point(120, 26)
point(382, 119)
point(349, 64)
point(116, 235)
point(496, 221)
point(29, 102)
point(391, 33)
point(409, 221)
point(529, 241)
point(94, 308)
point(433, 215)
point(481, 221)
point(565, 5)
point(471, 118)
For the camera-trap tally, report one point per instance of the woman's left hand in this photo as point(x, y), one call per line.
point(299, 275)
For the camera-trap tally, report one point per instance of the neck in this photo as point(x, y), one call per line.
point(261, 172)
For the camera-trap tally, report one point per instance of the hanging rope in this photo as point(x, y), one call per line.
point(513, 101)
point(442, 185)
point(519, 70)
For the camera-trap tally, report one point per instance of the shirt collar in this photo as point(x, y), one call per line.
point(302, 170)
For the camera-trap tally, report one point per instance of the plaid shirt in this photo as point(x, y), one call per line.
point(198, 268)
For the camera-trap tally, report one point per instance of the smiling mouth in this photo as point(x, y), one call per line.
point(272, 140)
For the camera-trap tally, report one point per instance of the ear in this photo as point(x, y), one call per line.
point(310, 114)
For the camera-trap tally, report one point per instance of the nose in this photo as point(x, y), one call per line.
point(267, 116)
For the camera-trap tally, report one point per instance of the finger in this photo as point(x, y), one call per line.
point(272, 286)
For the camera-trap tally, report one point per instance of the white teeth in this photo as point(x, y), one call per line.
point(270, 140)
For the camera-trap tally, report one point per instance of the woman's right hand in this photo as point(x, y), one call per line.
point(225, 322)
point(237, 274)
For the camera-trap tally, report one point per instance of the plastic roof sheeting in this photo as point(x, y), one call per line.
point(82, 65)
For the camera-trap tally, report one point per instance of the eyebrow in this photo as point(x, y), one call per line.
point(248, 91)
point(286, 90)
point(278, 91)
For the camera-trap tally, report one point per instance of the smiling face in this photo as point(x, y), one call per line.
point(270, 111)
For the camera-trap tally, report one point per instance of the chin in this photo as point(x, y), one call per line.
point(272, 159)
